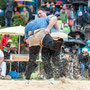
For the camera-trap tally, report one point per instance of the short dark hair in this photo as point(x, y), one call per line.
point(40, 8)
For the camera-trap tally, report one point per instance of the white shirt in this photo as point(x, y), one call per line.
point(1, 53)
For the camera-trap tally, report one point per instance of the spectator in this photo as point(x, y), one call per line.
point(7, 52)
point(43, 5)
point(87, 45)
point(80, 20)
point(73, 50)
point(59, 19)
point(8, 15)
point(78, 27)
point(26, 14)
point(87, 18)
point(48, 10)
point(2, 65)
point(72, 17)
point(16, 11)
point(63, 16)
point(83, 59)
point(79, 10)
point(77, 36)
point(53, 9)
point(66, 10)
point(85, 11)
point(66, 28)
point(78, 48)
point(4, 40)
point(13, 49)
point(68, 1)
point(10, 42)
point(31, 14)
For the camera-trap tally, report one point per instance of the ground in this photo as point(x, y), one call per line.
point(64, 84)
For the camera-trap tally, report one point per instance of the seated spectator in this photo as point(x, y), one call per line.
point(80, 20)
point(78, 48)
point(10, 42)
point(77, 36)
point(2, 65)
point(73, 50)
point(66, 28)
point(87, 45)
point(78, 27)
point(25, 50)
point(7, 52)
point(83, 59)
point(13, 49)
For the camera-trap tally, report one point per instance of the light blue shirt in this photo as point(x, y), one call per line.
point(37, 24)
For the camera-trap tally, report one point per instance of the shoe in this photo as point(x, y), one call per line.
point(27, 81)
point(51, 81)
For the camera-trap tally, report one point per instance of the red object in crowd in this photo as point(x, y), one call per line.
point(17, 12)
point(4, 41)
point(59, 2)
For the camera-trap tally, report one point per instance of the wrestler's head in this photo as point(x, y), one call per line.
point(41, 12)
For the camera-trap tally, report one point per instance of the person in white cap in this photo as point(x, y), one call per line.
point(84, 62)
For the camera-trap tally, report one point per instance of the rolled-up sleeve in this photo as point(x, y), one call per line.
point(26, 33)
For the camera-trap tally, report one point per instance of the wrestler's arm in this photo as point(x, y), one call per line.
point(52, 22)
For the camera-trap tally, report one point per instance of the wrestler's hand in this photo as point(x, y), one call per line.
point(47, 31)
point(29, 33)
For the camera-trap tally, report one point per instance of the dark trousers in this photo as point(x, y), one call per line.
point(51, 49)
point(31, 65)
point(47, 56)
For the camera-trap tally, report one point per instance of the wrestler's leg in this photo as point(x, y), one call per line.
point(46, 57)
point(31, 65)
point(56, 60)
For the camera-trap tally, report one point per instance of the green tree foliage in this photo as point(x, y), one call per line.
point(3, 4)
point(3, 7)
